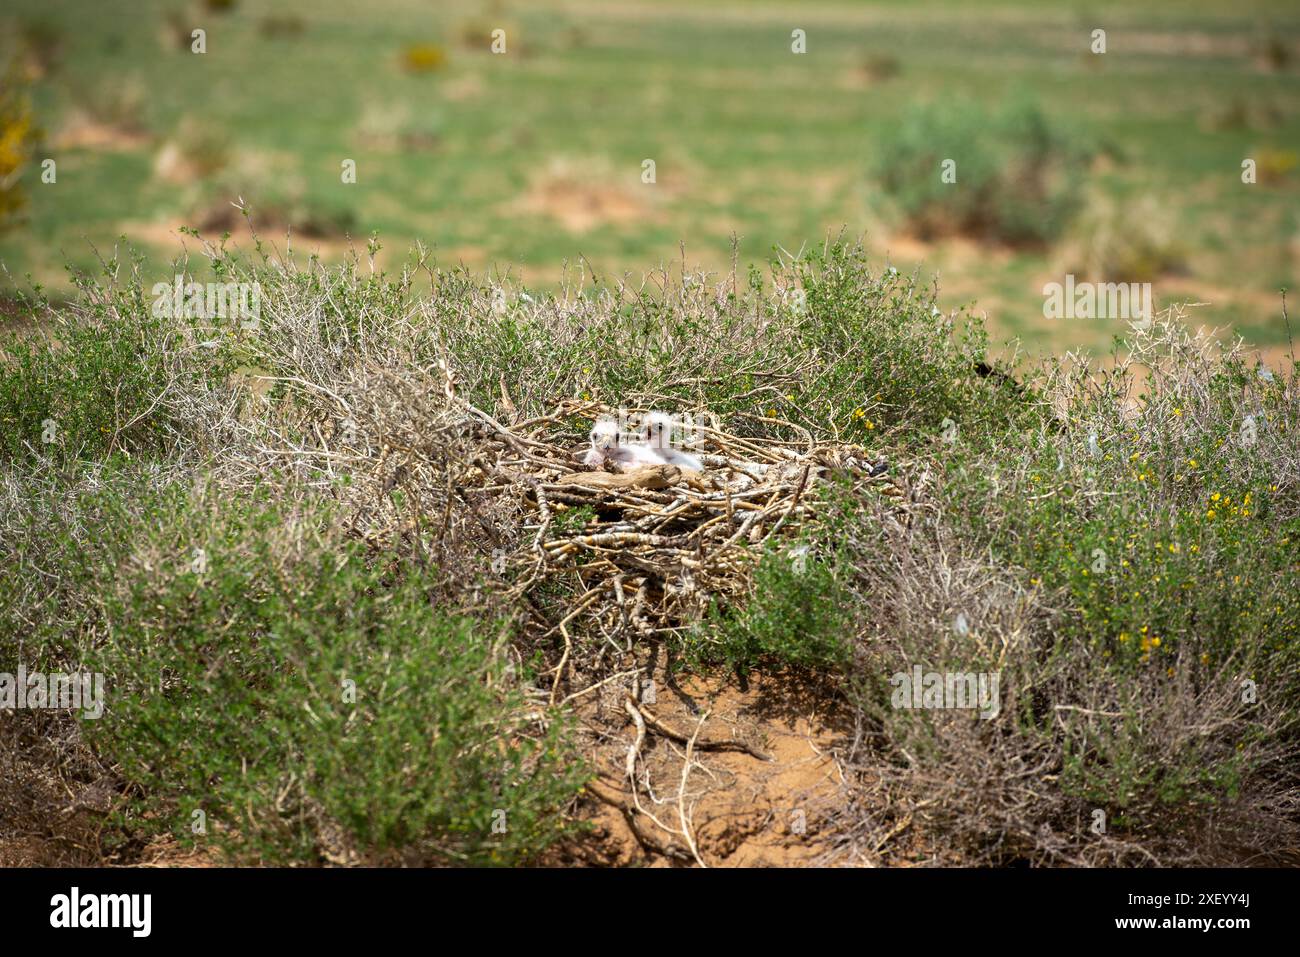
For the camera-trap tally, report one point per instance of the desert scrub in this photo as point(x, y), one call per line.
point(1121, 674)
point(895, 366)
point(796, 615)
point(834, 346)
point(1128, 240)
point(1018, 174)
point(105, 375)
point(1131, 574)
point(306, 697)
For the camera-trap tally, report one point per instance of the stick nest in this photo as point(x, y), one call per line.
point(505, 510)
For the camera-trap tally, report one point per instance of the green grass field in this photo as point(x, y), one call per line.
point(531, 159)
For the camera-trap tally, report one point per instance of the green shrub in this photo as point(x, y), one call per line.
point(307, 699)
point(1160, 547)
point(1019, 176)
point(100, 378)
point(797, 615)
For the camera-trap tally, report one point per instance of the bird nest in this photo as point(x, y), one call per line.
point(600, 556)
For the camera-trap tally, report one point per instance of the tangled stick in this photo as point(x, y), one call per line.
point(682, 814)
point(680, 738)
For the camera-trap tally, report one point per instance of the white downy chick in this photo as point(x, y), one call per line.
point(606, 447)
point(658, 432)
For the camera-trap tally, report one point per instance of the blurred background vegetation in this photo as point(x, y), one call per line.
point(1119, 167)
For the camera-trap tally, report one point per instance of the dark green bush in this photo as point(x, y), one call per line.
point(1019, 175)
point(797, 615)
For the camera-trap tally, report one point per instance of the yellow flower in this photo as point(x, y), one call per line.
point(1211, 513)
point(1192, 462)
point(1214, 497)
point(1155, 642)
point(1177, 411)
